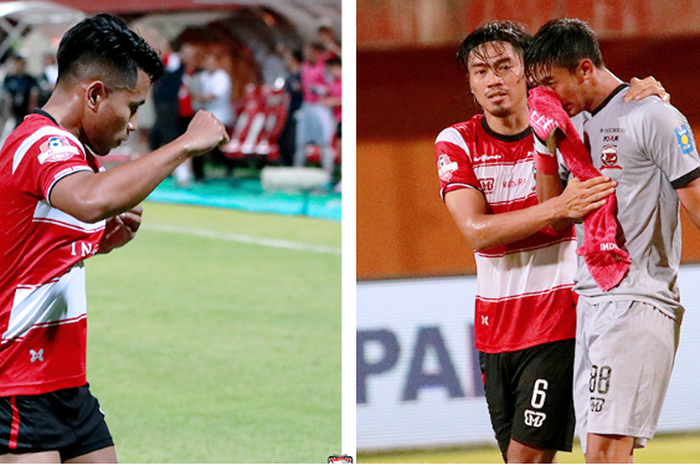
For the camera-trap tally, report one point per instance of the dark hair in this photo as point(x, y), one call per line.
point(563, 43)
point(298, 55)
point(104, 46)
point(335, 61)
point(494, 31)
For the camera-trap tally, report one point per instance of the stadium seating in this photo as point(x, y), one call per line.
point(262, 114)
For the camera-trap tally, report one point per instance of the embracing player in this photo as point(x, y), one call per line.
point(525, 308)
point(626, 336)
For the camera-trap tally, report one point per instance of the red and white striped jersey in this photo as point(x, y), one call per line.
point(524, 295)
point(42, 278)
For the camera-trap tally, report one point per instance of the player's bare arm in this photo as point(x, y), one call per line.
point(486, 230)
point(91, 197)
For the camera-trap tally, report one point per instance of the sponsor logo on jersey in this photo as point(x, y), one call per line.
point(609, 157)
point(597, 404)
point(446, 167)
point(684, 137)
point(611, 138)
point(57, 148)
point(609, 130)
point(487, 184)
point(534, 419)
point(485, 158)
point(514, 183)
point(37, 355)
point(606, 246)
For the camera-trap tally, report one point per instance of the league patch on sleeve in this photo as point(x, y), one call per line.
point(685, 139)
point(446, 167)
point(57, 148)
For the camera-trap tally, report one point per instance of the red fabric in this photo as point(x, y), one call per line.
point(14, 429)
point(602, 248)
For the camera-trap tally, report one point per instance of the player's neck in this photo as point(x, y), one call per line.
point(514, 123)
point(63, 107)
point(601, 87)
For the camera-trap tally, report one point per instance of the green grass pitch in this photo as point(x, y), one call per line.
point(205, 345)
point(665, 448)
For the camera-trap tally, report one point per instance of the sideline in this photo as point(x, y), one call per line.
point(266, 242)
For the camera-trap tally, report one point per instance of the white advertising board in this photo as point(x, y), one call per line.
point(418, 380)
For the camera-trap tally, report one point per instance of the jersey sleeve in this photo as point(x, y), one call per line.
point(670, 144)
point(453, 162)
point(45, 157)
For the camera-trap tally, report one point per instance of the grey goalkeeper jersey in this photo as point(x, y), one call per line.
point(649, 149)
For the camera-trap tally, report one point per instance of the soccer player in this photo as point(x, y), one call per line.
point(627, 336)
point(58, 208)
point(525, 309)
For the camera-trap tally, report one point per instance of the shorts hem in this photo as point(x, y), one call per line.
point(87, 449)
point(622, 431)
point(566, 447)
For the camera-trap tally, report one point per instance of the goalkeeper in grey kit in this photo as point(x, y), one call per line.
point(627, 335)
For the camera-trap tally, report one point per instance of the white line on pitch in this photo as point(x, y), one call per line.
point(278, 243)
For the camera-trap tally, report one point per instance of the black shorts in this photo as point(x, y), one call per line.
point(530, 395)
point(69, 421)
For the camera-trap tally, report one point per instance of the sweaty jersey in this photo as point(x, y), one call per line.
point(649, 149)
point(524, 295)
point(42, 278)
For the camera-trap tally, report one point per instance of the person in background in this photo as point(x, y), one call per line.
point(191, 169)
point(315, 123)
point(47, 78)
point(293, 87)
point(326, 36)
point(214, 95)
point(166, 127)
point(22, 90)
point(334, 100)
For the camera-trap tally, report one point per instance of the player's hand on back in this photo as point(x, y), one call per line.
point(204, 133)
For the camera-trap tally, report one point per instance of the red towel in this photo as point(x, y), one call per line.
point(602, 249)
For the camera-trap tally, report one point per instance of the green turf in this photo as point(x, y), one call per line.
point(665, 448)
point(210, 350)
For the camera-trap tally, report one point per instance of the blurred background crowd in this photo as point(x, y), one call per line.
point(271, 73)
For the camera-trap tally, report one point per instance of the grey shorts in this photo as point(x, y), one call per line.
point(624, 358)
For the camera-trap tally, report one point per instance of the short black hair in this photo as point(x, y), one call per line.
point(494, 31)
point(334, 61)
point(298, 55)
point(104, 45)
point(563, 43)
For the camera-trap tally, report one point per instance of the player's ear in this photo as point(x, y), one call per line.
point(95, 92)
point(585, 68)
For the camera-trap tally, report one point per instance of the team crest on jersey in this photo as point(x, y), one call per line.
point(57, 148)
point(684, 137)
point(609, 157)
point(446, 167)
point(487, 184)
